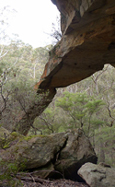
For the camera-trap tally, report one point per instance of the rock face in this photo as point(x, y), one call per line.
point(43, 99)
point(88, 42)
point(56, 155)
point(77, 151)
point(97, 175)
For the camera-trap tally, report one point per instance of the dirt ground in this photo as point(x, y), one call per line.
point(56, 183)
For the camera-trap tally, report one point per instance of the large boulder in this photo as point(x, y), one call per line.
point(98, 175)
point(36, 151)
point(78, 150)
point(52, 156)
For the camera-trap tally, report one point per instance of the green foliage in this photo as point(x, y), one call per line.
point(89, 104)
point(80, 107)
point(93, 110)
point(8, 170)
point(108, 134)
point(27, 138)
point(94, 105)
point(21, 67)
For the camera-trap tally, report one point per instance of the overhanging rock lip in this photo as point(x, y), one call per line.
point(69, 42)
point(45, 82)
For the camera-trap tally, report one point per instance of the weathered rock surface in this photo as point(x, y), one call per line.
point(77, 151)
point(88, 42)
point(36, 151)
point(43, 99)
point(53, 156)
point(97, 175)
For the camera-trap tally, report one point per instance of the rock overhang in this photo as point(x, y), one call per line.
point(88, 42)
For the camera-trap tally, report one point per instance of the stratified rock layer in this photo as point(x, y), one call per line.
point(88, 42)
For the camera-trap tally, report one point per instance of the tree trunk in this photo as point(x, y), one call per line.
point(101, 157)
point(43, 100)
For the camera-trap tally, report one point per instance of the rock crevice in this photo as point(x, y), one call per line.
point(55, 156)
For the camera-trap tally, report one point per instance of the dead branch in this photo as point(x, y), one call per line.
point(110, 115)
point(31, 179)
point(49, 125)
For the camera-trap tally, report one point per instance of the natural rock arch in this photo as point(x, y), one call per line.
point(88, 42)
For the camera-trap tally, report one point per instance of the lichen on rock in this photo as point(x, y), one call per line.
point(55, 155)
